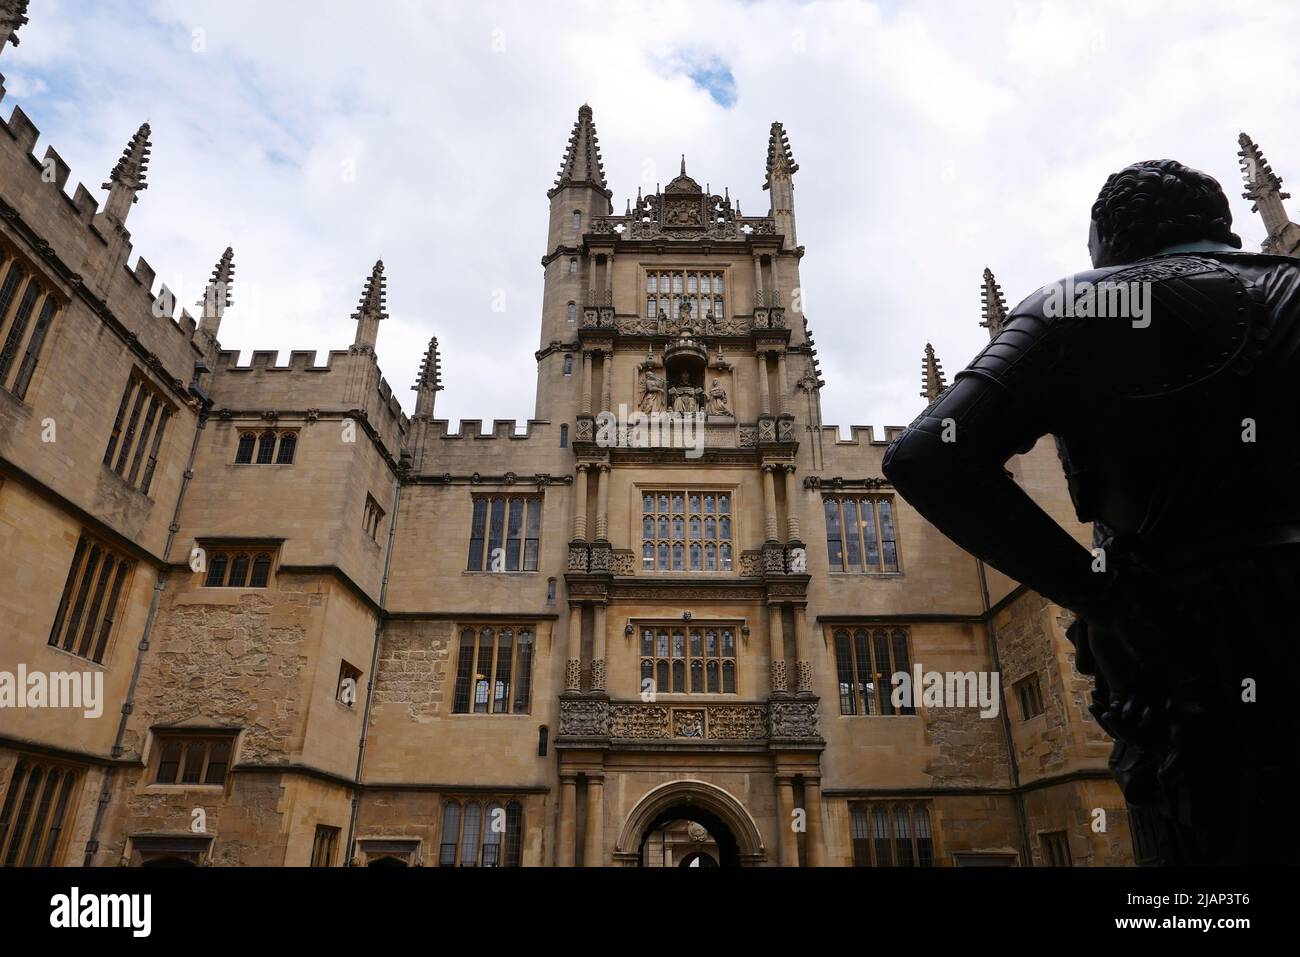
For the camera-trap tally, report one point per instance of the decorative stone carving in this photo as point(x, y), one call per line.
point(766, 429)
point(598, 675)
point(638, 722)
point(585, 430)
point(624, 562)
point(688, 722)
point(577, 558)
point(792, 719)
point(778, 678)
point(748, 437)
point(773, 559)
point(751, 564)
point(785, 429)
point(601, 557)
point(737, 722)
point(805, 676)
point(584, 717)
point(572, 674)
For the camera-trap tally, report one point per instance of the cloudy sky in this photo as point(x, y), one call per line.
point(933, 139)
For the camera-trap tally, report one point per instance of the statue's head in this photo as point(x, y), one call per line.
point(1147, 206)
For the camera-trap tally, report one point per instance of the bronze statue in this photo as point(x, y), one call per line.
point(1177, 421)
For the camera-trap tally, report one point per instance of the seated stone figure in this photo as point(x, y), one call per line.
point(1178, 426)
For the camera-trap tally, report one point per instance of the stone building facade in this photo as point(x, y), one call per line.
point(330, 633)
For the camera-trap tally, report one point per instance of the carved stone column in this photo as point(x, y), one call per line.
point(598, 648)
point(580, 504)
point(586, 382)
point(764, 398)
point(566, 844)
point(609, 279)
point(593, 848)
point(607, 380)
point(602, 508)
point(801, 649)
point(814, 846)
point(783, 398)
point(776, 648)
point(758, 280)
point(785, 820)
point(769, 502)
point(791, 506)
point(573, 652)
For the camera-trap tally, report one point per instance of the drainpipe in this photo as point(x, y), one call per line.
point(370, 678)
point(105, 793)
point(1006, 720)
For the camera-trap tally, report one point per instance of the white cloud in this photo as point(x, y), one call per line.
point(933, 139)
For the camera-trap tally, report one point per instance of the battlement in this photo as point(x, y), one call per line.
point(265, 361)
point(859, 433)
point(338, 384)
point(78, 246)
point(472, 429)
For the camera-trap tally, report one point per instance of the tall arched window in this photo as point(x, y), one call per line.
point(568, 365)
point(572, 311)
point(266, 448)
point(573, 267)
point(244, 454)
point(577, 221)
point(288, 442)
point(564, 436)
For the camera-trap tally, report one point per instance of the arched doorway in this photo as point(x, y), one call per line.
point(724, 832)
point(672, 839)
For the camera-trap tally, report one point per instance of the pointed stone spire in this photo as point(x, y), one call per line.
point(781, 168)
point(217, 296)
point(994, 307)
point(780, 159)
point(932, 380)
point(429, 382)
point(128, 177)
point(582, 165)
point(13, 14)
point(1264, 190)
point(371, 310)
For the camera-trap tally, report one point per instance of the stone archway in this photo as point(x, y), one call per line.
point(738, 838)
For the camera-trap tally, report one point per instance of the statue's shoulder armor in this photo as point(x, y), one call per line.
point(1206, 318)
point(1184, 319)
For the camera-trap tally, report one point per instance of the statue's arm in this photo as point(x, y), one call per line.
point(962, 487)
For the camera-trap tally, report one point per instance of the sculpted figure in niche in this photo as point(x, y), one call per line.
point(652, 391)
point(718, 399)
point(685, 397)
point(686, 326)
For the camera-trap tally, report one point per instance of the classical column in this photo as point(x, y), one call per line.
point(598, 648)
point(803, 668)
point(593, 849)
point(776, 648)
point(812, 797)
point(758, 280)
point(769, 501)
point(764, 399)
point(591, 280)
point(580, 504)
point(783, 399)
point(573, 654)
point(791, 509)
point(566, 845)
point(609, 279)
point(607, 380)
point(586, 383)
point(785, 814)
point(602, 507)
